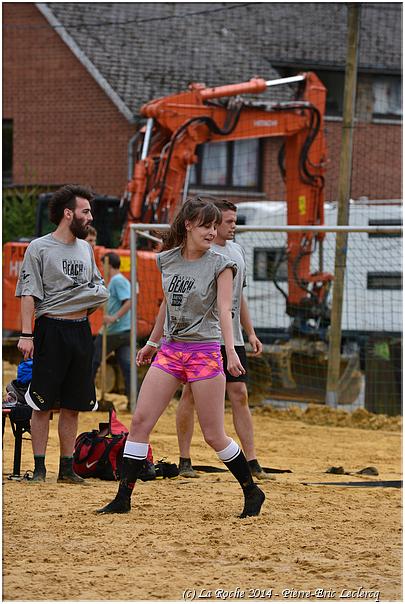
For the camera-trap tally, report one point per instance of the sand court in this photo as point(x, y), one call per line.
point(184, 534)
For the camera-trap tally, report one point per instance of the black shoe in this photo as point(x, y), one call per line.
point(119, 505)
point(186, 469)
point(166, 470)
point(254, 500)
point(38, 476)
point(148, 471)
point(70, 477)
point(258, 472)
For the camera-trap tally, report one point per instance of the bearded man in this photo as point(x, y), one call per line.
point(59, 284)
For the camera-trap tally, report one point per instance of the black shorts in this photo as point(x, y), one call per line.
point(62, 366)
point(242, 357)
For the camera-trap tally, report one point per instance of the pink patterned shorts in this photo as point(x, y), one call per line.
point(190, 361)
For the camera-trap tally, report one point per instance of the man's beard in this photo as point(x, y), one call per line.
point(78, 228)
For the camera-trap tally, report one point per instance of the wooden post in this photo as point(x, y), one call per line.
point(134, 300)
point(345, 173)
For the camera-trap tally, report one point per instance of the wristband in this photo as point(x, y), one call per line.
point(26, 335)
point(153, 344)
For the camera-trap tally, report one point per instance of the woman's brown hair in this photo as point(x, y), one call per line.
point(195, 209)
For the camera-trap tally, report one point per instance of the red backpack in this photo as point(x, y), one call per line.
point(98, 454)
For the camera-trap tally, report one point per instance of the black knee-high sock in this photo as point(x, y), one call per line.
point(236, 462)
point(130, 469)
point(240, 469)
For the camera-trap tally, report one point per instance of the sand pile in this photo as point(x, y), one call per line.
point(322, 415)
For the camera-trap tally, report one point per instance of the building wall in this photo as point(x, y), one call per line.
point(377, 161)
point(65, 128)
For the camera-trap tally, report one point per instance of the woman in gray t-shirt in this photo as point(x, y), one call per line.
point(197, 284)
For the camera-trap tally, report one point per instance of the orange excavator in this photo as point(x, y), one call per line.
point(177, 124)
point(165, 151)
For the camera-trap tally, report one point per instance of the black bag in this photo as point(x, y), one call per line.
point(98, 454)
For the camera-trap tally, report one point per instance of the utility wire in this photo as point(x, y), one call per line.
point(129, 21)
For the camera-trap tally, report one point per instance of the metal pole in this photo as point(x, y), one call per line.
point(131, 155)
point(104, 340)
point(283, 229)
point(146, 140)
point(133, 338)
point(345, 173)
point(186, 183)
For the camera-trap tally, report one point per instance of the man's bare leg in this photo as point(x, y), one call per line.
point(243, 422)
point(242, 418)
point(185, 429)
point(67, 430)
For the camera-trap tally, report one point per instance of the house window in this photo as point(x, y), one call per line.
point(270, 264)
point(214, 164)
point(233, 164)
point(7, 151)
point(387, 92)
point(384, 222)
point(384, 280)
point(333, 81)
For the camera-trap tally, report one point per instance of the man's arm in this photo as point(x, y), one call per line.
point(101, 293)
point(26, 342)
point(125, 307)
point(247, 325)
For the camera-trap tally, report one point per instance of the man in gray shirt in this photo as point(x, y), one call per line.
point(60, 284)
point(235, 386)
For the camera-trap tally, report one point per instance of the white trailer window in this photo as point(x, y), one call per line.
point(384, 280)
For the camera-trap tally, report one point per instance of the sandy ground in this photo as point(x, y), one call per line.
point(184, 534)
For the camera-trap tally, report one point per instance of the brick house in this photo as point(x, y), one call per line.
point(76, 74)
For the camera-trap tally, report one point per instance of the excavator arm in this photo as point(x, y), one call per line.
point(177, 124)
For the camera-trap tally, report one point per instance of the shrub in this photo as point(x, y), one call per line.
point(19, 213)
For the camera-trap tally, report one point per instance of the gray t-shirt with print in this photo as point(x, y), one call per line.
point(62, 277)
point(236, 253)
point(190, 289)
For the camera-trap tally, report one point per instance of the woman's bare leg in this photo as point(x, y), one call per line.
point(156, 392)
point(209, 400)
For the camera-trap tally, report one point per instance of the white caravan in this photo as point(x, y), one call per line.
point(373, 280)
